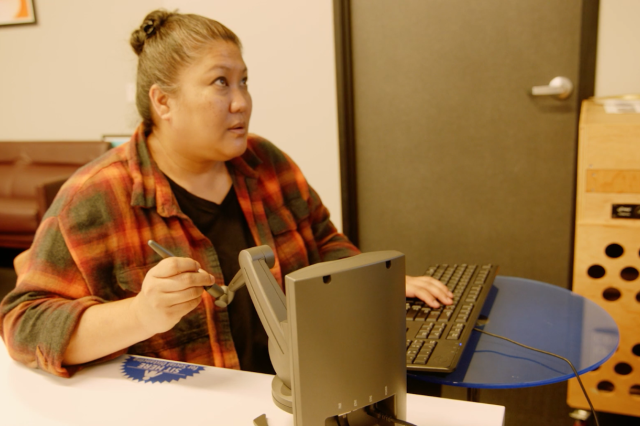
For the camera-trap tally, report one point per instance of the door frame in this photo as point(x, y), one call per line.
point(345, 97)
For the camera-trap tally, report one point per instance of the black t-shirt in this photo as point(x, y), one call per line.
point(225, 226)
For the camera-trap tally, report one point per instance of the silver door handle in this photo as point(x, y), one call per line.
point(559, 86)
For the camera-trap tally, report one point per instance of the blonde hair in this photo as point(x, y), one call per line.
point(165, 43)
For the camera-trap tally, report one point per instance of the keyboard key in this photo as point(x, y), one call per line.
point(411, 313)
point(428, 348)
point(435, 334)
point(426, 326)
point(425, 354)
point(422, 314)
point(433, 316)
point(421, 359)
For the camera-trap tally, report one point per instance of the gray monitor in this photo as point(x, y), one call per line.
point(337, 339)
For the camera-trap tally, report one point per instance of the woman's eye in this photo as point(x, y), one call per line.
point(245, 81)
point(222, 81)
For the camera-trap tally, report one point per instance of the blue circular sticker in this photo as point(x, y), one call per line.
point(153, 370)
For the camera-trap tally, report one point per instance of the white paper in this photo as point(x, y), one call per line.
point(622, 107)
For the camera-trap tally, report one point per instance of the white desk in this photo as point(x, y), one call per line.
point(102, 395)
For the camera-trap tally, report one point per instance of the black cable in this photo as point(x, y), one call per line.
point(552, 354)
point(381, 416)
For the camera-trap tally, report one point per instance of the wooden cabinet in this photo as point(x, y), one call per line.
point(607, 250)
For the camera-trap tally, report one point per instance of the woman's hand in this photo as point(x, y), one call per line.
point(170, 290)
point(430, 290)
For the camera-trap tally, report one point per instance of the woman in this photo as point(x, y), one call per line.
point(195, 181)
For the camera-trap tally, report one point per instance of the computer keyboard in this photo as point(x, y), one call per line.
point(436, 338)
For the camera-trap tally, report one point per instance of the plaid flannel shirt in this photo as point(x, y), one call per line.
point(91, 248)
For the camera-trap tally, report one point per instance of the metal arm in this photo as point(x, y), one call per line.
point(265, 292)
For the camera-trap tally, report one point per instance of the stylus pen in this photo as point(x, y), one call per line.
point(215, 290)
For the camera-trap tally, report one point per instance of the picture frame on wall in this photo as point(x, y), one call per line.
point(17, 12)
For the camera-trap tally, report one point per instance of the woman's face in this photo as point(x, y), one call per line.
point(210, 112)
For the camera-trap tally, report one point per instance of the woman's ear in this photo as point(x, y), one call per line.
point(159, 102)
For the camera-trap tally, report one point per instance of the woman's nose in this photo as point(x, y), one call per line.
point(240, 101)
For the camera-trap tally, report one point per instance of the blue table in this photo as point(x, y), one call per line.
point(539, 315)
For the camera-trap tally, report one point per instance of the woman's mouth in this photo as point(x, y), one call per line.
point(238, 128)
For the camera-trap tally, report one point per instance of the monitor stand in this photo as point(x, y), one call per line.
point(337, 340)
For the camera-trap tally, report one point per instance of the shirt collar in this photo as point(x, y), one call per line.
point(151, 188)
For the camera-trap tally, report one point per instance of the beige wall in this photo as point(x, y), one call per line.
point(618, 64)
point(68, 76)
point(64, 78)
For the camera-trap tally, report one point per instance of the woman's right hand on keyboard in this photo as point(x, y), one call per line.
point(428, 289)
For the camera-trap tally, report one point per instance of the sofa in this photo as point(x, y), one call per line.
point(30, 175)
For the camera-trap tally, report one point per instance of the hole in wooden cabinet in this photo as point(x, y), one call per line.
point(635, 390)
point(611, 294)
point(596, 271)
point(638, 296)
point(606, 386)
point(629, 273)
point(636, 350)
point(614, 250)
point(623, 368)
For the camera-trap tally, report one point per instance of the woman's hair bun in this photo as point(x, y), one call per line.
point(150, 26)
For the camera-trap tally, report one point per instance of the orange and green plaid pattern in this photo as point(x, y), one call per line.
point(91, 248)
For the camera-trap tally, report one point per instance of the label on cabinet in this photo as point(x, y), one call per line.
point(625, 211)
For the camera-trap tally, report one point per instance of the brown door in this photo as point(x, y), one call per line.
point(446, 155)
point(455, 160)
